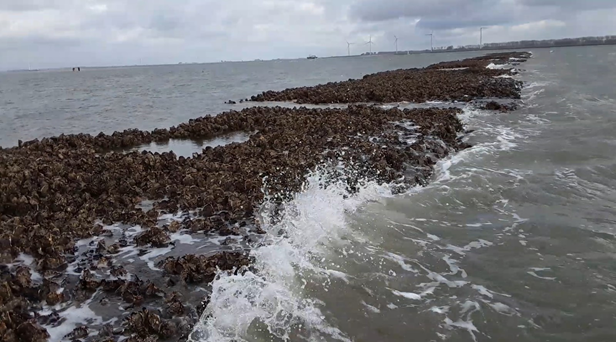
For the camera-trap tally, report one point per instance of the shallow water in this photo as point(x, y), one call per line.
point(186, 148)
point(48, 103)
point(512, 241)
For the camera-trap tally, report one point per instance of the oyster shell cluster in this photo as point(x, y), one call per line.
point(57, 191)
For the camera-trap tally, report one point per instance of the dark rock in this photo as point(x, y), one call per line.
point(78, 333)
point(32, 332)
point(153, 236)
point(198, 269)
point(56, 191)
point(145, 323)
point(414, 85)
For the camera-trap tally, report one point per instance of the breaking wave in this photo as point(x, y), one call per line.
point(308, 244)
point(268, 300)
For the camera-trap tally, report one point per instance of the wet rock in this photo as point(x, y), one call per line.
point(52, 291)
point(77, 333)
point(87, 281)
point(118, 271)
point(201, 268)
point(113, 249)
point(228, 241)
point(493, 105)
point(51, 319)
point(23, 277)
point(153, 236)
point(225, 231)
point(101, 247)
point(173, 227)
point(151, 338)
point(174, 306)
point(462, 81)
point(107, 233)
point(145, 324)
point(32, 332)
point(56, 191)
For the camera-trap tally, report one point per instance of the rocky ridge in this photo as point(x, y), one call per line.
point(56, 192)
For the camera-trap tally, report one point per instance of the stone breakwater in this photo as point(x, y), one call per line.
point(69, 205)
point(447, 81)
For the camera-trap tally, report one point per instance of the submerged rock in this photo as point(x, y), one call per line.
point(503, 107)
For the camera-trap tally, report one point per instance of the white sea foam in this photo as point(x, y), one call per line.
point(499, 66)
point(314, 221)
point(503, 309)
point(408, 295)
point(452, 69)
point(28, 261)
point(504, 138)
point(184, 238)
point(400, 260)
point(371, 308)
point(440, 309)
point(273, 301)
point(153, 253)
point(533, 271)
point(466, 323)
point(72, 316)
point(461, 324)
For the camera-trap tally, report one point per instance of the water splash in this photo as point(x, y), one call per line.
point(268, 301)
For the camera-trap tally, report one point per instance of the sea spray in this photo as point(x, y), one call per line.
point(270, 302)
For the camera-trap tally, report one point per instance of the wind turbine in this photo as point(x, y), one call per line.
point(349, 47)
point(396, 38)
point(431, 41)
point(481, 36)
point(370, 43)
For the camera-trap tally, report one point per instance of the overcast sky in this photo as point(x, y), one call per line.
point(64, 33)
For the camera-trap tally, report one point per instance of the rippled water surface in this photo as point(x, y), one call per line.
point(47, 103)
point(512, 241)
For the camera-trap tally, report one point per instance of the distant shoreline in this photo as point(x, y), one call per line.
point(492, 48)
point(513, 45)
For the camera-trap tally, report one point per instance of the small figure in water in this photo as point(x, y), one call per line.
point(78, 68)
point(73, 69)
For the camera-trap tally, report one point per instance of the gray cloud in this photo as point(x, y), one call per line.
point(31, 5)
point(570, 4)
point(447, 14)
point(375, 10)
point(61, 33)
